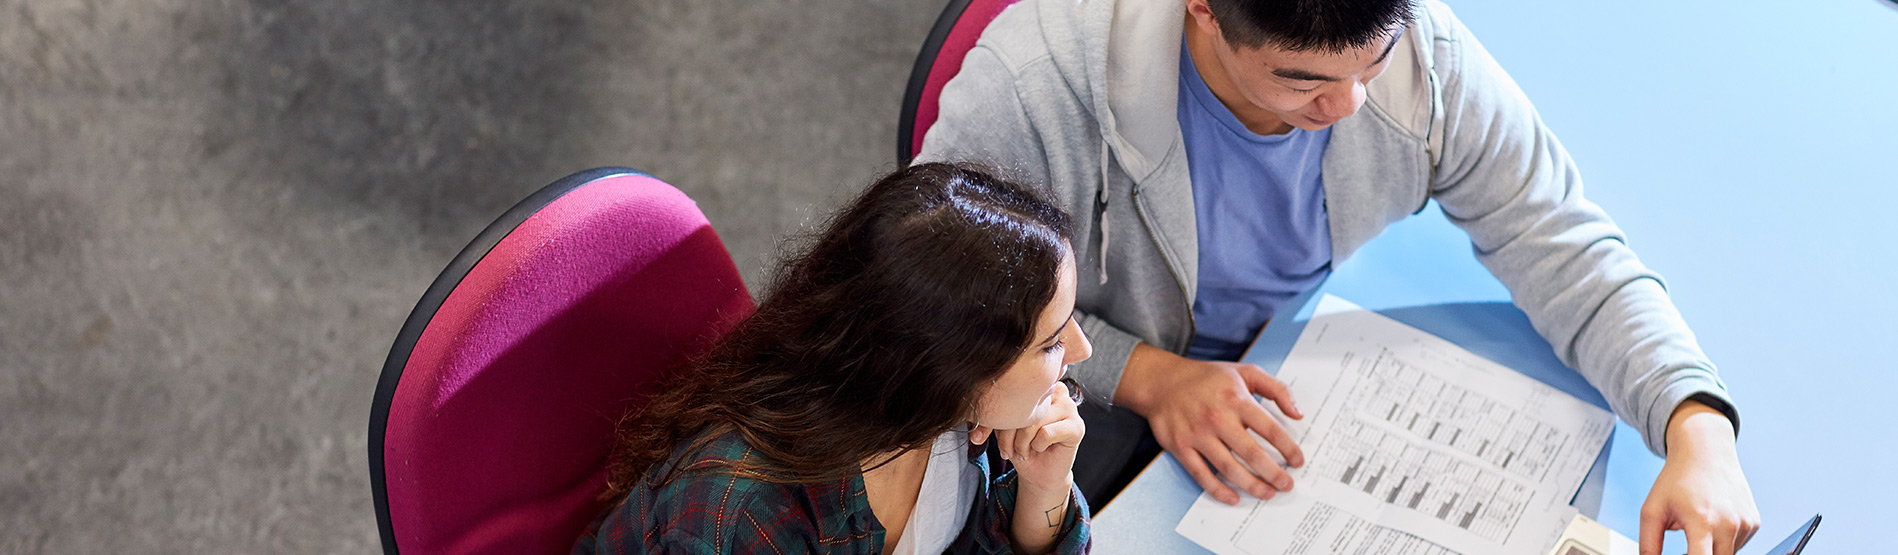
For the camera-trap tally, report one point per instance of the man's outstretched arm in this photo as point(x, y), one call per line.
point(1504, 179)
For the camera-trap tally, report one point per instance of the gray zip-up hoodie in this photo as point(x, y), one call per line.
point(1082, 95)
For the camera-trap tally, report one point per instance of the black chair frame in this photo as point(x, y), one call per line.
point(919, 78)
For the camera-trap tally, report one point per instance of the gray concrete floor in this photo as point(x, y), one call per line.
point(214, 215)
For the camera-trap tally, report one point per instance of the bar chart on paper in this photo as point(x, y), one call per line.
point(1411, 477)
point(1400, 394)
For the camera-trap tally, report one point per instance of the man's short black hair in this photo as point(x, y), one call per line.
point(1307, 25)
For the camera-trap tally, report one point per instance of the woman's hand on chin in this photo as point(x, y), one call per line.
point(1043, 451)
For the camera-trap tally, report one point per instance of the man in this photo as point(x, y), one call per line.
point(1220, 156)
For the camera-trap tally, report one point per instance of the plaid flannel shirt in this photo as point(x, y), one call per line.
point(715, 511)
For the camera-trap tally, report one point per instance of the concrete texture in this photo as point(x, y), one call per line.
point(215, 214)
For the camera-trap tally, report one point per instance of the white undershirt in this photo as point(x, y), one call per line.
point(942, 505)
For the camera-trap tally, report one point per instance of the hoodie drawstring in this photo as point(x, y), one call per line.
point(1101, 212)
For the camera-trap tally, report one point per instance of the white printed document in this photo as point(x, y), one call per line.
point(1412, 446)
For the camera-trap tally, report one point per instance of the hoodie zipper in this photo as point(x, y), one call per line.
point(1146, 220)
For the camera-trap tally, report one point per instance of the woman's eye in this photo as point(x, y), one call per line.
point(1058, 345)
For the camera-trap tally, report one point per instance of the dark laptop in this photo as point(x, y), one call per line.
point(1797, 541)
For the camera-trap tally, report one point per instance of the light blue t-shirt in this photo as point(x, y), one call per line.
point(1263, 233)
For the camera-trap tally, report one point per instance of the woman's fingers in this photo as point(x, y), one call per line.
point(1005, 442)
point(1013, 443)
point(1063, 426)
point(1064, 432)
point(1025, 441)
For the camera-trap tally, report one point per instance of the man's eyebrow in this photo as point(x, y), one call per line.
point(1302, 75)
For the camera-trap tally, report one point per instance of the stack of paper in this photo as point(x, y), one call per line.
point(1413, 446)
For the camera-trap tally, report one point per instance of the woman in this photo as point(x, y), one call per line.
point(934, 314)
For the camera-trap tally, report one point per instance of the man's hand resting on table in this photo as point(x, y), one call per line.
point(1701, 490)
point(1200, 411)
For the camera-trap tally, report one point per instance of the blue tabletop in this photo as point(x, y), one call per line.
point(1746, 148)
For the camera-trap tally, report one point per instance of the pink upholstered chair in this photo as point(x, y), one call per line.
point(956, 30)
point(496, 408)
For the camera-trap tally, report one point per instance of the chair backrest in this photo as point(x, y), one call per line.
point(496, 408)
point(955, 33)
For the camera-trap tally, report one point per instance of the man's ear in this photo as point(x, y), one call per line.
point(1200, 14)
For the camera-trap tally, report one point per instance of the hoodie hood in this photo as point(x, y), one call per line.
point(1103, 49)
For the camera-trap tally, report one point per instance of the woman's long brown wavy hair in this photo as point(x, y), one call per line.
point(877, 336)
